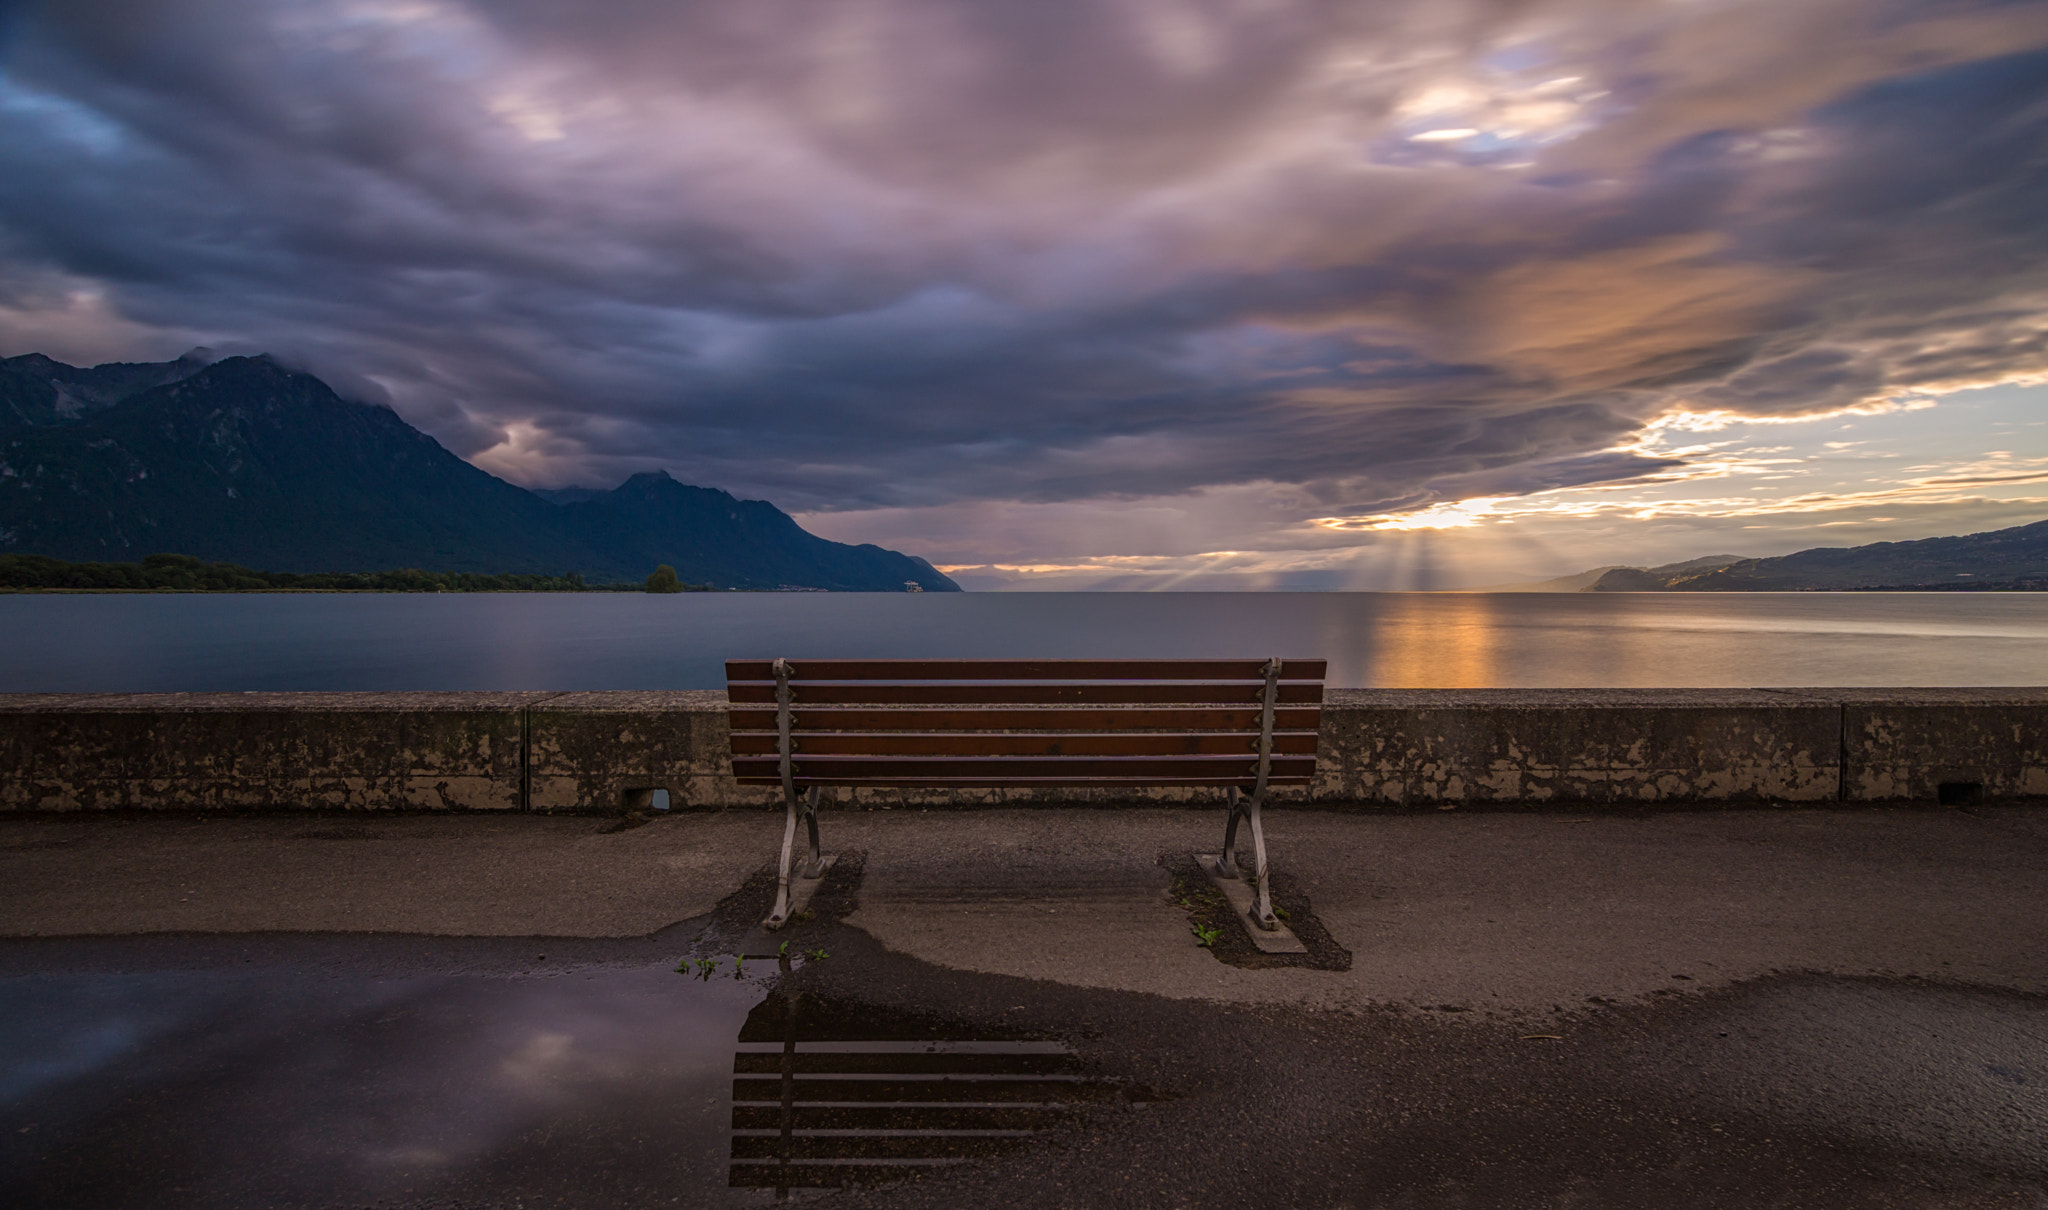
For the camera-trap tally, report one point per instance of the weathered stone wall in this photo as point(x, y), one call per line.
point(446, 751)
point(598, 750)
point(1909, 743)
point(1578, 746)
point(1400, 748)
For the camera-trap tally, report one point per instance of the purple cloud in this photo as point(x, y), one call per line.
point(903, 254)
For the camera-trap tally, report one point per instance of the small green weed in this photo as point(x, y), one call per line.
point(817, 955)
point(739, 966)
point(1206, 938)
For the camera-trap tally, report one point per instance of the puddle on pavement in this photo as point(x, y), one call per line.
point(602, 1086)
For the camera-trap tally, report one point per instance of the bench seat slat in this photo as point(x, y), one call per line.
point(1000, 693)
point(1135, 768)
point(1026, 670)
point(1052, 718)
point(955, 743)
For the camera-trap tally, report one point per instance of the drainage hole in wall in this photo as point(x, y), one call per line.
point(1959, 793)
point(655, 799)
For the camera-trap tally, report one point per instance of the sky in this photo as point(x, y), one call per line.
point(1098, 293)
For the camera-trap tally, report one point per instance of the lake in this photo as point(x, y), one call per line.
point(168, 643)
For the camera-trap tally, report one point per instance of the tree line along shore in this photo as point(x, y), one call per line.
point(185, 573)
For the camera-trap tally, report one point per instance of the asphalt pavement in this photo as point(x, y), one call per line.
point(1731, 1008)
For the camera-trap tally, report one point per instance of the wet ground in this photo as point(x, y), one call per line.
point(331, 1069)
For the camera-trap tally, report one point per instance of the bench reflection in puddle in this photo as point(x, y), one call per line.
point(827, 1093)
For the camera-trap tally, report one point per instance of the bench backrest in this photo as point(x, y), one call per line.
point(946, 723)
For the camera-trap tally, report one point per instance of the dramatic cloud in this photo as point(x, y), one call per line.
point(1176, 274)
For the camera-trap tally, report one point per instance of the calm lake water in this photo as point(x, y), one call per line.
point(163, 643)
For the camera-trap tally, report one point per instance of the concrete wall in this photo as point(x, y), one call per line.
point(454, 751)
point(1413, 748)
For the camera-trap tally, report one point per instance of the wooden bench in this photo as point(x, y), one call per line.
point(1242, 726)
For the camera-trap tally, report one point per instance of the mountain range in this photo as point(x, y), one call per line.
point(2015, 558)
point(244, 460)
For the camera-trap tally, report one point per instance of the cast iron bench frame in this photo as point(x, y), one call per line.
point(1238, 725)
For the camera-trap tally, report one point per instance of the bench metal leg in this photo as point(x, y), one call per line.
point(1227, 867)
point(1262, 911)
point(812, 867)
point(815, 865)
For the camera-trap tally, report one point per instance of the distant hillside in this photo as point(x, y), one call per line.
point(1585, 580)
point(184, 573)
point(570, 495)
point(244, 461)
point(35, 390)
point(709, 536)
point(2007, 558)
